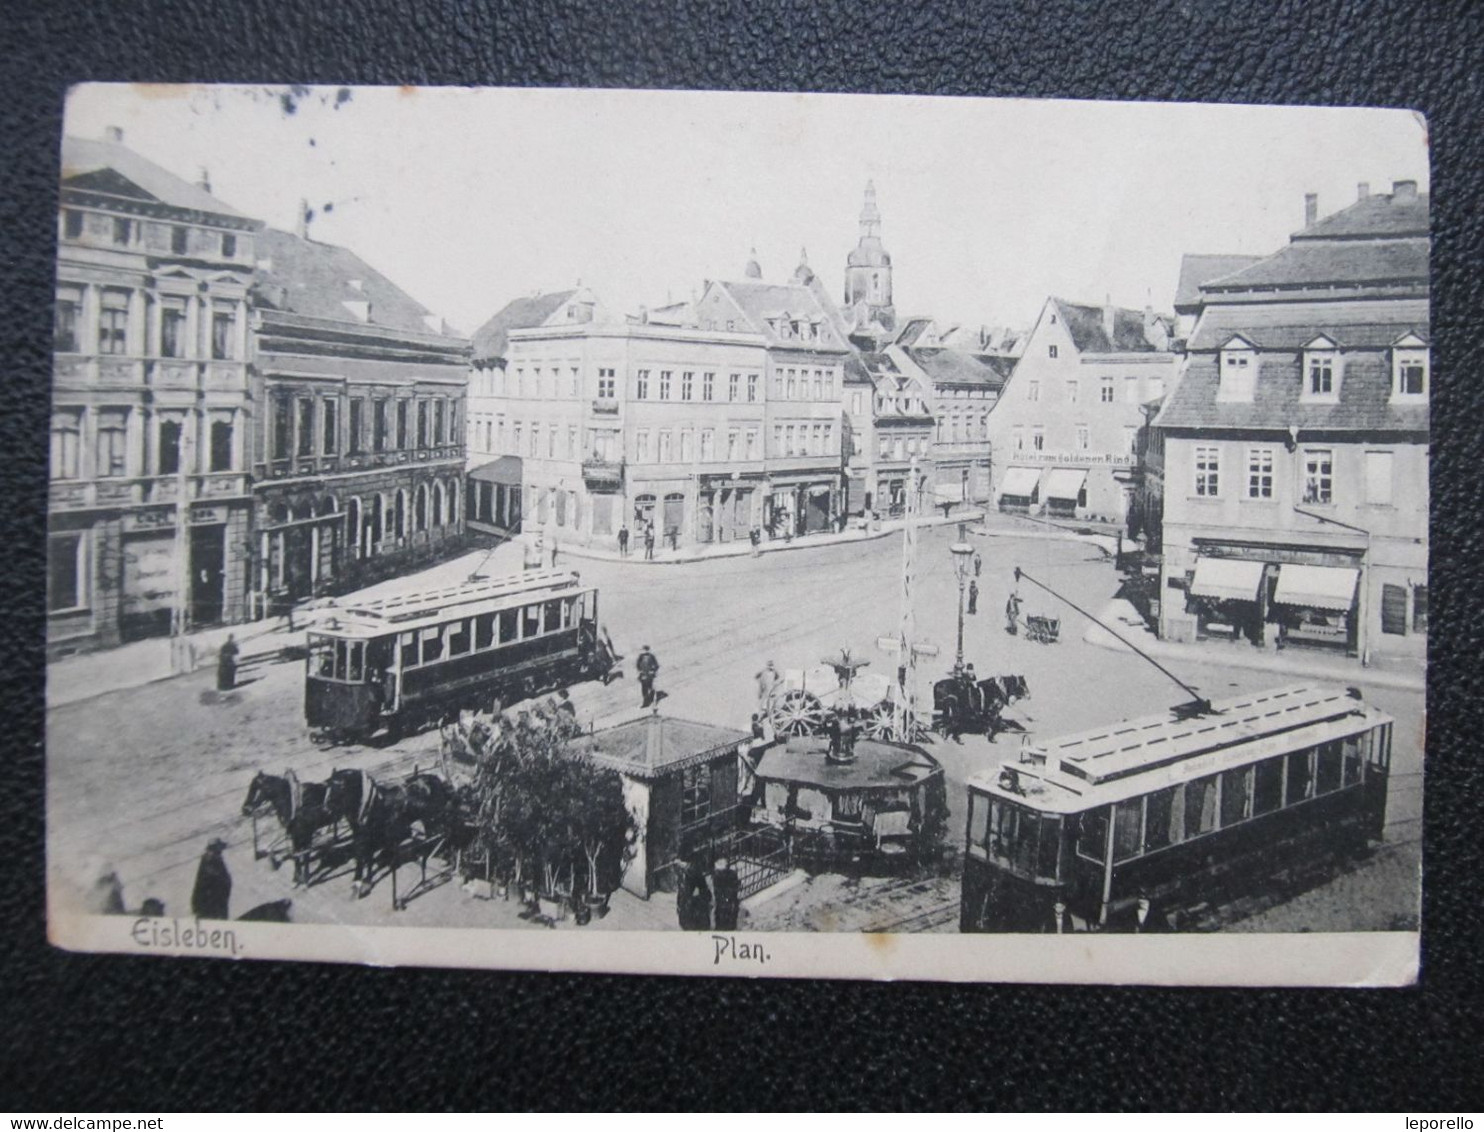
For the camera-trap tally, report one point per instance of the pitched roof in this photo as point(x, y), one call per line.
point(1085, 326)
point(1364, 402)
point(83, 156)
point(761, 301)
point(1308, 263)
point(1289, 326)
point(1198, 270)
point(656, 743)
point(954, 367)
point(1403, 212)
point(1002, 364)
point(317, 280)
point(912, 330)
point(491, 339)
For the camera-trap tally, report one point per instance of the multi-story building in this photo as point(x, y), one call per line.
point(890, 425)
point(1066, 426)
point(1294, 447)
point(149, 506)
point(358, 449)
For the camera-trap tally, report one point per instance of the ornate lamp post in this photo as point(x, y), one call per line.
point(963, 555)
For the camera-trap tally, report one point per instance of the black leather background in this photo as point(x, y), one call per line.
point(83, 1033)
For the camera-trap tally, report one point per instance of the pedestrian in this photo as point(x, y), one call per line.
point(1012, 613)
point(648, 667)
point(728, 888)
point(973, 597)
point(226, 665)
point(649, 542)
point(623, 541)
point(107, 895)
point(767, 685)
point(213, 891)
point(553, 550)
point(978, 563)
point(755, 537)
point(693, 900)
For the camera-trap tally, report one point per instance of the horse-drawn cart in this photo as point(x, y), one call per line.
point(1042, 630)
point(963, 704)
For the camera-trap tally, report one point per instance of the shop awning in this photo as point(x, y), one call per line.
point(1230, 579)
point(1330, 588)
point(506, 470)
point(1065, 483)
point(1020, 481)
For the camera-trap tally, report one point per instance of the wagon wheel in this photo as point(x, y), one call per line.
point(798, 713)
point(880, 722)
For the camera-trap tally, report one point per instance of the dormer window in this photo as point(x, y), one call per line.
point(1238, 367)
point(1409, 367)
point(1321, 370)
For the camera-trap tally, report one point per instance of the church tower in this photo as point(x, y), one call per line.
point(868, 272)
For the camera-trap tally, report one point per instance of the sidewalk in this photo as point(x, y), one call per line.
point(1293, 662)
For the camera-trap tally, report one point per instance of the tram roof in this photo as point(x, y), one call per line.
point(417, 609)
point(1132, 757)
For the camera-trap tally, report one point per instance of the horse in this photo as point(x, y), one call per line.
point(1013, 688)
point(961, 704)
point(386, 817)
point(302, 810)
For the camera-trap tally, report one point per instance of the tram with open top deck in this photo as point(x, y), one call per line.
point(1090, 830)
point(400, 663)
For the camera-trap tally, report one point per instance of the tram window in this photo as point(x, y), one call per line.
point(484, 630)
point(409, 651)
point(1003, 824)
point(458, 638)
point(356, 671)
point(1092, 834)
point(1200, 806)
point(1128, 829)
point(432, 645)
point(530, 622)
point(1050, 848)
point(1158, 819)
point(553, 616)
point(1352, 760)
point(1327, 774)
point(978, 820)
point(569, 612)
point(508, 622)
point(339, 660)
point(1300, 776)
point(324, 659)
point(1267, 786)
point(1236, 795)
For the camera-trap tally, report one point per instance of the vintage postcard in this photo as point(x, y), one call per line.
point(739, 534)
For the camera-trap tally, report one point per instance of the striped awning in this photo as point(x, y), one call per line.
point(1228, 579)
point(1331, 588)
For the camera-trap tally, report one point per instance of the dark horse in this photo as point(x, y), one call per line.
point(388, 816)
point(302, 810)
point(961, 704)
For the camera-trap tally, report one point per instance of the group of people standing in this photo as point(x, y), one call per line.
point(715, 906)
point(646, 539)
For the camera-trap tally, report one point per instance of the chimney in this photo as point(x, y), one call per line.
point(1362, 190)
point(113, 134)
point(1311, 208)
point(1404, 190)
point(301, 226)
point(203, 182)
point(1109, 318)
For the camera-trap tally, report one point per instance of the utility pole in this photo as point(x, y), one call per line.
point(180, 660)
point(905, 719)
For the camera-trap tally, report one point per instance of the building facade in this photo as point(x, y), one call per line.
point(1294, 446)
point(358, 445)
point(1066, 427)
point(149, 506)
point(890, 426)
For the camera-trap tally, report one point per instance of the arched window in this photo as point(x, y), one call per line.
point(437, 503)
point(353, 526)
point(278, 513)
point(377, 520)
point(420, 515)
point(453, 502)
point(325, 506)
point(399, 527)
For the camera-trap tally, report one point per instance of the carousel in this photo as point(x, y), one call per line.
point(801, 702)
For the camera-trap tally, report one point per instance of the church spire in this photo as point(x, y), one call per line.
point(753, 270)
point(803, 274)
point(870, 215)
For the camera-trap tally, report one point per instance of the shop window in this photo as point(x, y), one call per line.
point(65, 588)
point(1394, 610)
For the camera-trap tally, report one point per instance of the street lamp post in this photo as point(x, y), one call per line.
point(963, 555)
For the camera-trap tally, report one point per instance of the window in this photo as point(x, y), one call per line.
point(330, 427)
point(574, 382)
point(530, 622)
point(223, 333)
point(69, 306)
point(607, 384)
point(283, 425)
point(1238, 375)
point(379, 429)
point(305, 430)
point(1409, 373)
point(113, 323)
point(173, 328)
point(665, 384)
point(515, 437)
point(1159, 815)
point(1419, 609)
point(788, 440)
point(687, 385)
point(792, 385)
point(571, 452)
point(687, 446)
point(439, 421)
point(1259, 473)
point(1300, 774)
point(752, 442)
point(123, 231)
point(1319, 369)
point(1033, 390)
point(66, 444)
point(708, 444)
point(641, 445)
point(1267, 786)
point(1084, 438)
point(1105, 390)
point(1327, 768)
point(733, 447)
point(1072, 392)
point(229, 245)
point(1394, 610)
point(1038, 438)
point(551, 439)
point(169, 450)
point(708, 386)
point(1378, 478)
point(71, 224)
point(1236, 795)
point(1017, 438)
point(221, 445)
point(113, 443)
point(1207, 472)
point(1319, 475)
point(695, 794)
point(422, 423)
point(1092, 834)
point(641, 385)
point(66, 587)
point(357, 424)
point(1051, 351)
point(734, 386)
point(1128, 829)
point(1200, 806)
point(179, 239)
point(752, 387)
point(401, 423)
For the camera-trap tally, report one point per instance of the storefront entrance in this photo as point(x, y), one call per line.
point(208, 574)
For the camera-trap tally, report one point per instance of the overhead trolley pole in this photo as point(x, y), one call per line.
point(905, 716)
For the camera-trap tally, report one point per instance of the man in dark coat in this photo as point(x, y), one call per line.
point(623, 541)
point(1012, 614)
point(213, 891)
point(973, 597)
point(648, 666)
point(728, 888)
point(648, 541)
point(226, 665)
point(693, 901)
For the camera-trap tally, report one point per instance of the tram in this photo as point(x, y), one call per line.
point(1088, 831)
point(401, 663)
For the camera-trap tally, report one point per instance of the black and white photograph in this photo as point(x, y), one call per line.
point(882, 536)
